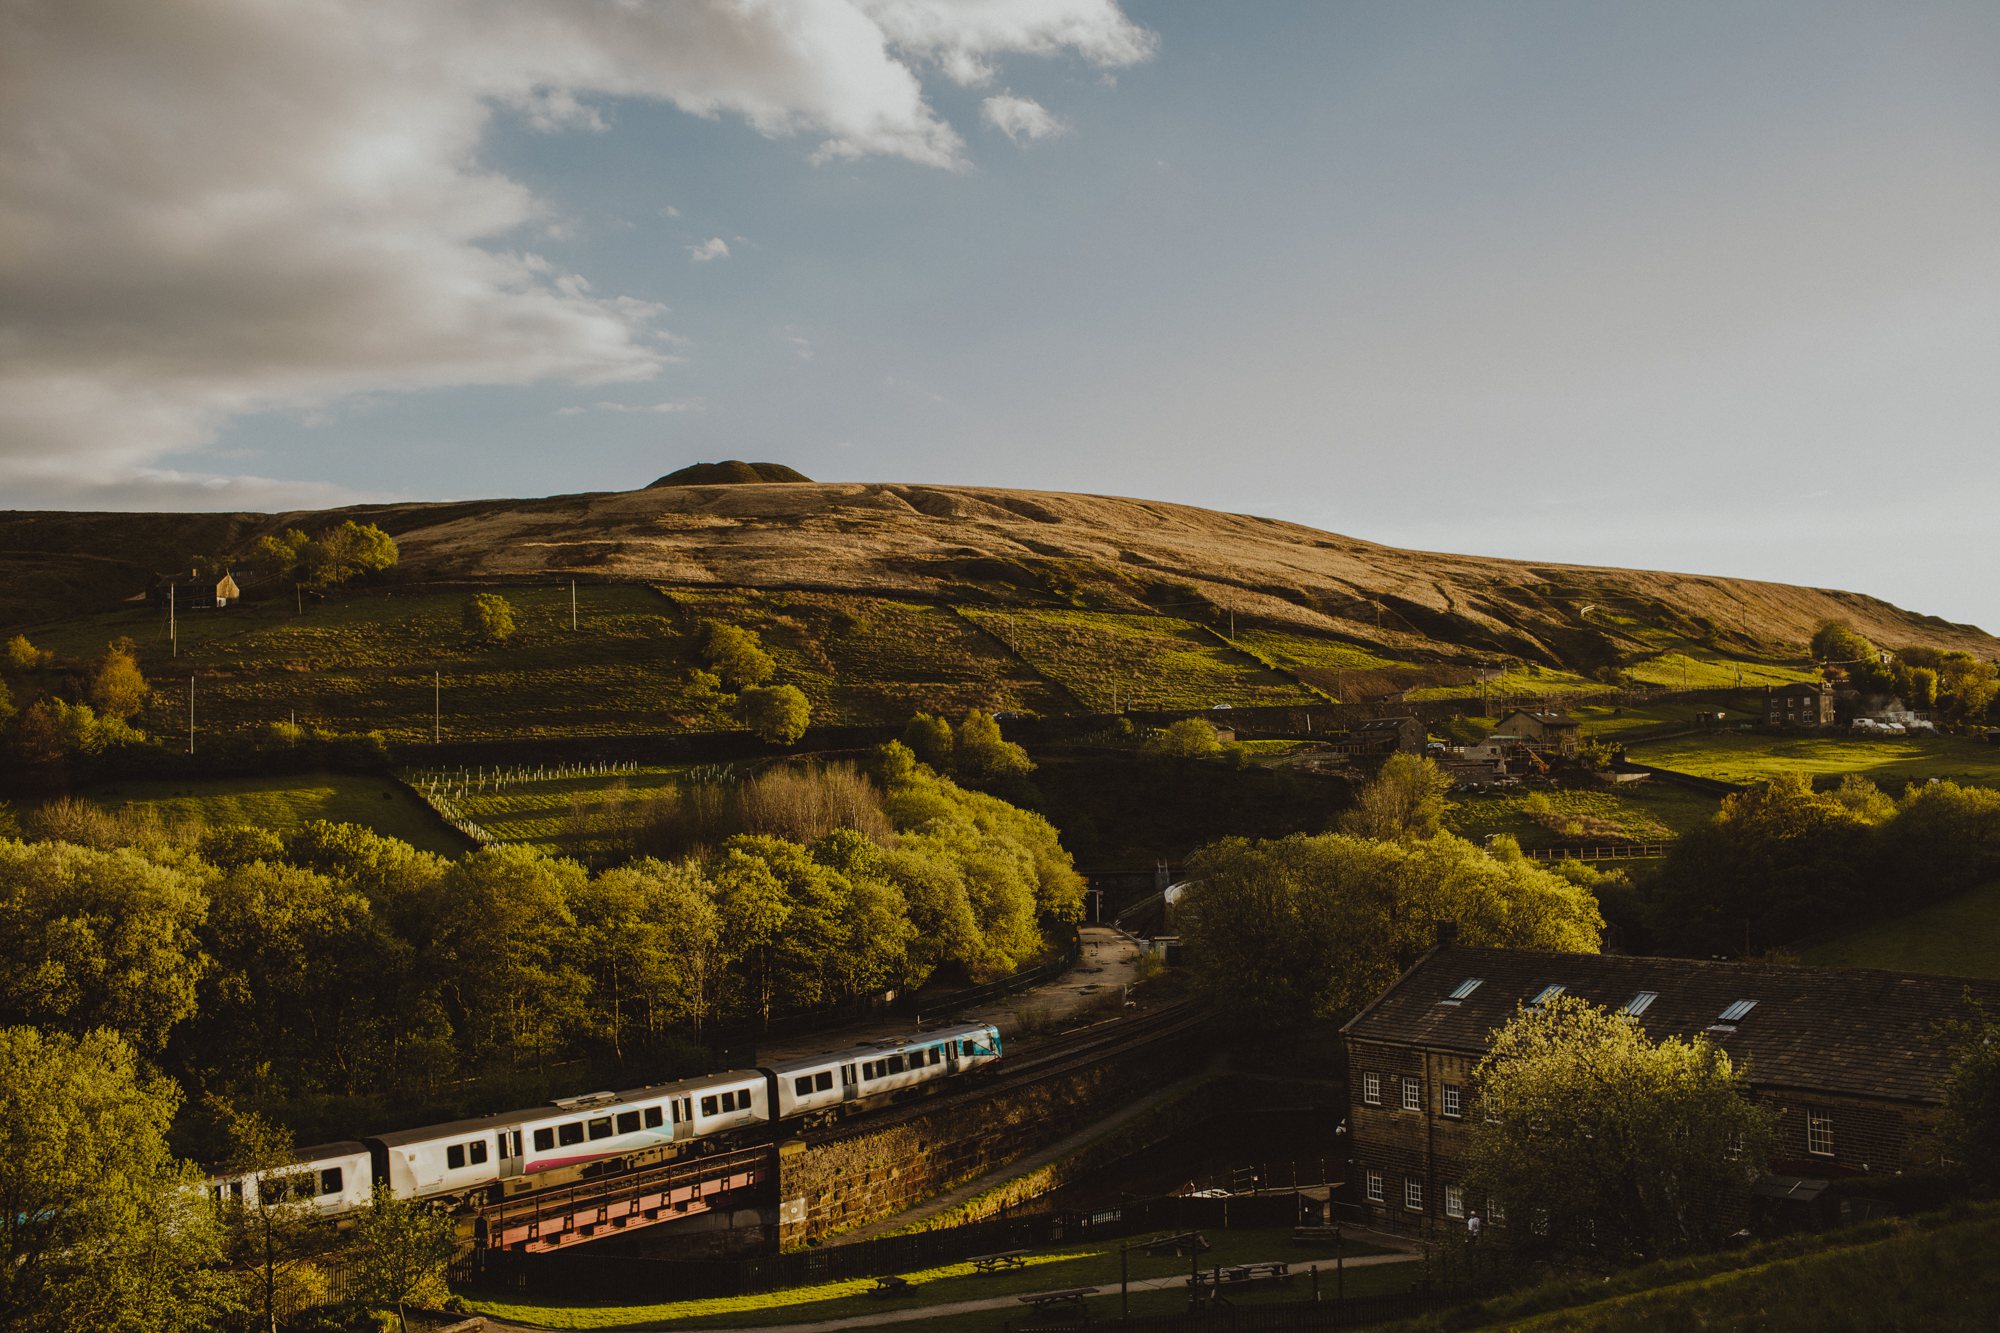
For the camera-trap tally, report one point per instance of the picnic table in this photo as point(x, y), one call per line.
point(1191, 1243)
point(996, 1262)
point(1239, 1275)
point(890, 1284)
point(1056, 1300)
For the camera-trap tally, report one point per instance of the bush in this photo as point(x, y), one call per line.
point(489, 617)
point(779, 714)
point(736, 654)
point(1189, 738)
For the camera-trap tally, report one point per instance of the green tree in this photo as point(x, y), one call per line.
point(1405, 800)
point(117, 687)
point(488, 617)
point(1968, 1128)
point(982, 755)
point(271, 1230)
point(400, 1249)
point(100, 1228)
point(349, 551)
point(736, 655)
point(1189, 738)
point(1596, 1137)
point(649, 938)
point(7, 709)
point(22, 655)
point(755, 913)
point(778, 714)
point(1837, 641)
point(929, 739)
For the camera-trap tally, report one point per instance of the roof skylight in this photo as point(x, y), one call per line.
point(1737, 1011)
point(1639, 1003)
point(1548, 993)
point(1466, 987)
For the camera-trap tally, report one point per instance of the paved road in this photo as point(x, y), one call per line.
point(903, 1314)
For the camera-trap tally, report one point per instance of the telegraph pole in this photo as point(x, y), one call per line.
point(190, 712)
point(572, 605)
point(437, 704)
point(173, 625)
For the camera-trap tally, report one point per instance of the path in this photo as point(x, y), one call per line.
point(1012, 1301)
point(1109, 961)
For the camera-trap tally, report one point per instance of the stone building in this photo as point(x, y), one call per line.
point(1801, 705)
point(1846, 1057)
point(1541, 729)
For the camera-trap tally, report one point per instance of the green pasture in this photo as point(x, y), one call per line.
point(1696, 668)
point(1092, 1265)
point(567, 816)
point(1891, 762)
point(1641, 812)
point(1521, 682)
point(281, 803)
point(1631, 723)
point(1106, 659)
point(1959, 937)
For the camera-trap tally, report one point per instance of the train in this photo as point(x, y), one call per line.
point(494, 1157)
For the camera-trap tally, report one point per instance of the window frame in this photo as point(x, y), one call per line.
point(1374, 1186)
point(1413, 1094)
point(1819, 1129)
point(1454, 1101)
point(1454, 1201)
point(1413, 1194)
point(1371, 1089)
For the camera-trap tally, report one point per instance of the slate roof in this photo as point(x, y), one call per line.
point(1541, 715)
point(1845, 1030)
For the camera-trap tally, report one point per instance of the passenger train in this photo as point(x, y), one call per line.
point(499, 1155)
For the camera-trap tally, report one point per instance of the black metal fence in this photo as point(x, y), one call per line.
point(577, 1272)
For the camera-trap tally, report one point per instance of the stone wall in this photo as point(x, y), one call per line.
point(840, 1183)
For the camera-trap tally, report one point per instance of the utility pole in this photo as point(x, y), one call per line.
point(437, 704)
point(173, 624)
point(572, 604)
point(190, 712)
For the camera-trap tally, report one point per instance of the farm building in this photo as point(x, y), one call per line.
point(1540, 729)
point(1801, 705)
point(1845, 1056)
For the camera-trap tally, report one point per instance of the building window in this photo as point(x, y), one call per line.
point(1371, 1089)
point(1496, 1211)
point(1413, 1194)
point(1375, 1186)
point(1413, 1095)
point(1736, 1144)
point(1454, 1201)
point(1454, 1100)
point(1819, 1131)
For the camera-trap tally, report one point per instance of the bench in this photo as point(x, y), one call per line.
point(1240, 1275)
point(1192, 1243)
point(1314, 1235)
point(890, 1284)
point(994, 1263)
point(1069, 1297)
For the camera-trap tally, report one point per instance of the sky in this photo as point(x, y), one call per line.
point(1701, 287)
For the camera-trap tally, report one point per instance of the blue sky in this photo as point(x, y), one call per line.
point(1701, 287)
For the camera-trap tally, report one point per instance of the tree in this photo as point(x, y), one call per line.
point(1968, 1129)
point(929, 739)
point(117, 687)
point(100, 1228)
point(736, 655)
point(7, 709)
point(349, 551)
point(1404, 801)
point(400, 1251)
point(1189, 738)
point(648, 937)
point(22, 655)
point(271, 1230)
point(488, 617)
point(778, 714)
point(982, 754)
point(1597, 1137)
point(1837, 641)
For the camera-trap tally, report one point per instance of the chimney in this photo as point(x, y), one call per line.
point(1447, 933)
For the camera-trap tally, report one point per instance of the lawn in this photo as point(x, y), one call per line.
point(1631, 723)
point(1890, 761)
point(1959, 937)
point(1697, 668)
point(1643, 812)
point(1092, 1265)
point(286, 802)
point(1110, 660)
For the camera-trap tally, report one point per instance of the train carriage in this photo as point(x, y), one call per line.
point(816, 1084)
point(335, 1177)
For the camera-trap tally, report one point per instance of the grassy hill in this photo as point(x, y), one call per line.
point(881, 599)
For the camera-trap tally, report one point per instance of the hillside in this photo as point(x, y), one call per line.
point(1303, 599)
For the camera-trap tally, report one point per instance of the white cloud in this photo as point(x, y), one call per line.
point(1020, 118)
point(221, 207)
point(796, 340)
point(669, 211)
point(711, 249)
point(654, 409)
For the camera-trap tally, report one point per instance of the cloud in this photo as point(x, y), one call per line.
point(796, 340)
point(604, 405)
point(1020, 118)
point(223, 207)
point(669, 211)
point(711, 249)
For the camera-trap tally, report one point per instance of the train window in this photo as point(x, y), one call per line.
point(895, 1064)
point(937, 1055)
point(823, 1080)
point(476, 1151)
point(708, 1106)
point(655, 1117)
point(628, 1122)
point(868, 1069)
point(600, 1128)
point(803, 1085)
point(454, 1157)
point(270, 1192)
point(569, 1133)
point(545, 1139)
point(503, 1145)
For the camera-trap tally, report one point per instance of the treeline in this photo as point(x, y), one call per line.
point(332, 977)
point(1783, 861)
point(1959, 687)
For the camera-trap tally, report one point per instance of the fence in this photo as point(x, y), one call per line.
point(646, 1279)
point(1604, 851)
point(1293, 1317)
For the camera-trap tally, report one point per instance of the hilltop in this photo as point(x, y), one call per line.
point(1000, 547)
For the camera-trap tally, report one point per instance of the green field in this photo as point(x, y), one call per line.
point(1696, 668)
point(562, 815)
point(1926, 1273)
point(1093, 1265)
point(1891, 762)
point(1959, 937)
point(1643, 812)
point(1631, 723)
point(284, 803)
point(1110, 660)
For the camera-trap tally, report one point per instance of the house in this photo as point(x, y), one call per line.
point(1382, 735)
point(1543, 730)
point(1800, 705)
point(1845, 1056)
